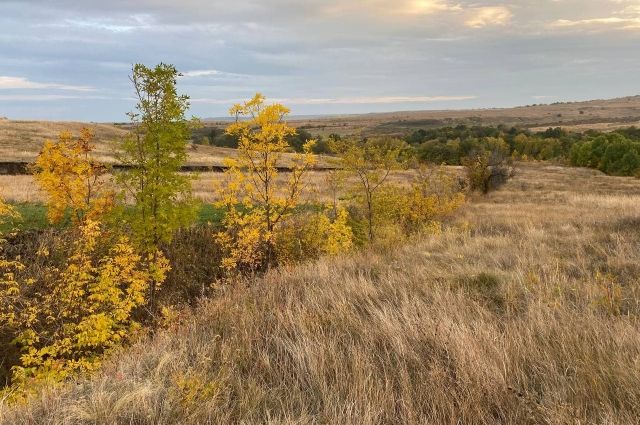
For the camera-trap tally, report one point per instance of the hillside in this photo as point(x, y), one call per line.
point(21, 140)
point(524, 313)
point(594, 114)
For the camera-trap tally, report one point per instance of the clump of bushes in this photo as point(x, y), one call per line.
point(614, 153)
point(487, 171)
point(131, 250)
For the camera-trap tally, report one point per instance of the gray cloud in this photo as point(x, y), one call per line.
point(323, 56)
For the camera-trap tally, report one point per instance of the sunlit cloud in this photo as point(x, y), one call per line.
point(212, 73)
point(489, 16)
point(7, 83)
point(624, 23)
point(421, 7)
point(389, 8)
point(627, 18)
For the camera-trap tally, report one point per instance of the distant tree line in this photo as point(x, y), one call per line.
point(213, 136)
point(615, 153)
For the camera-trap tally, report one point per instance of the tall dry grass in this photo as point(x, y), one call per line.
point(527, 315)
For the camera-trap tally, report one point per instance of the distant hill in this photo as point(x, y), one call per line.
point(594, 114)
point(22, 140)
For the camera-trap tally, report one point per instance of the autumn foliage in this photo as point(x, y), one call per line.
point(72, 180)
point(67, 318)
point(96, 288)
point(256, 206)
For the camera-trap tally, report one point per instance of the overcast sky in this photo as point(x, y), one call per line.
point(70, 60)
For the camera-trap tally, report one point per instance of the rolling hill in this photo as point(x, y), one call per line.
point(21, 140)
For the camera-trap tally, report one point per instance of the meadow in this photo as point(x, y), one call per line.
point(369, 287)
point(30, 200)
point(524, 310)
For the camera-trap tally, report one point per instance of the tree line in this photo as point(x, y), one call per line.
point(615, 153)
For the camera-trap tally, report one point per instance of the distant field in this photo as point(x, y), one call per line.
point(22, 140)
point(595, 114)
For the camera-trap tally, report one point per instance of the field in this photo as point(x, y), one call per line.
point(596, 114)
point(22, 189)
point(22, 140)
point(524, 312)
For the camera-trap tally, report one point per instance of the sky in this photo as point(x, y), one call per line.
point(71, 60)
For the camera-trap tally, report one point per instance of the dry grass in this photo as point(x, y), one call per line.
point(20, 189)
point(25, 189)
point(605, 115)
point(22, 141)
point(509, 322)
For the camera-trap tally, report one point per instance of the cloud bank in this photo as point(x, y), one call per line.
point(68, 60)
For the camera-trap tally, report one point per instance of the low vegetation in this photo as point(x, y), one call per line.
point(123, 253)
point(457, 327)
point(381, 303)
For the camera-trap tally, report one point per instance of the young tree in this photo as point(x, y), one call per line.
point(255, 204)
point(72, 180)
point(334, 179)
point(371, 161)
point(153, 154)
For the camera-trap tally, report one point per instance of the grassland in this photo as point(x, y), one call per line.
point(602, 115)
point(23, 191)
point(525, 312)
point(22, 140)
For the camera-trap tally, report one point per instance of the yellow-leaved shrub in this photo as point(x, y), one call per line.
point(71, 178)
point(402, 211)
point(67, 318)
point(64, 314)
point(311, 235)
point(432, 196)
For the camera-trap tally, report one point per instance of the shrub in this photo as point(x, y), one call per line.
point(65, 318)
point(488, 171)
point(401, 211)
point(371, 162)
point(313, 234)
point(433, 196)
point(256, 208)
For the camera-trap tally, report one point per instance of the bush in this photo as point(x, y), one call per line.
point(402, 212)
point(488, 171)
point(614, 154)
point(63, 319)
point(311, 235)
